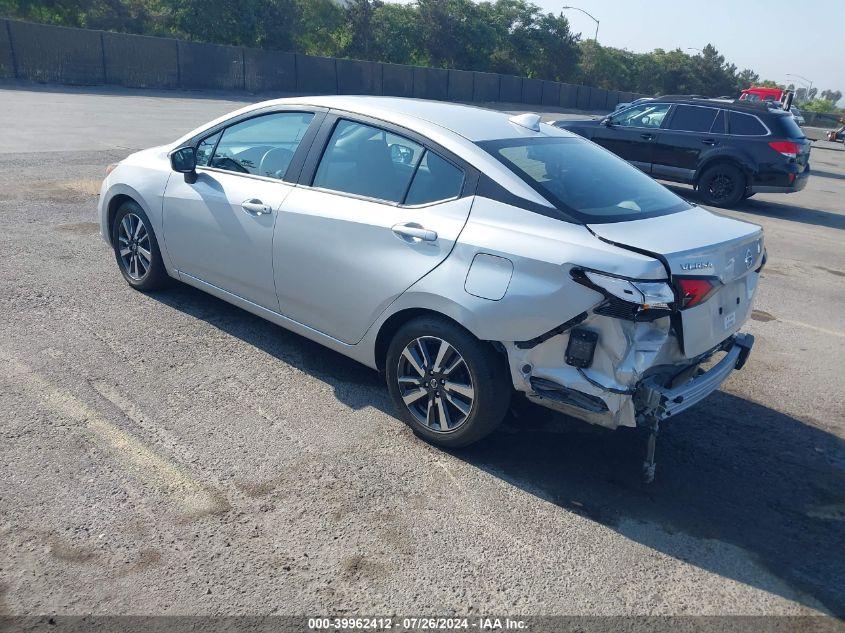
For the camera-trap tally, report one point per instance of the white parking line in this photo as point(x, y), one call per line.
point(192, 497)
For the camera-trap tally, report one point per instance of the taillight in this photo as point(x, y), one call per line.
point(694, 291)
point(789, 149)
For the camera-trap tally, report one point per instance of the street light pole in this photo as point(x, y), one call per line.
point(808, 85)
point(593, 18)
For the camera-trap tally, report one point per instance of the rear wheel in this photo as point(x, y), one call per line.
point(136, 248)
point(722, 185)
point(449, 387)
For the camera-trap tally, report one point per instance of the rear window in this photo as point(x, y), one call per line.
point(585, 181)
point(692, 118)
point(746, 125)
point(790, 127)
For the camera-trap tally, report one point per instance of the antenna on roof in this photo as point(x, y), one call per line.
point(527, 120)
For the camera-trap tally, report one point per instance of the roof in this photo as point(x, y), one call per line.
point(471, 122)
point(732, 104)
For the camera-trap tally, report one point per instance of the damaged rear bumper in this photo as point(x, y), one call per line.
point(660, 402)
point(638, 376)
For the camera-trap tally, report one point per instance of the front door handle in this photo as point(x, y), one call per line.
point(647, 137)
point(254, 206)
point(413, 232)
point(709, 141)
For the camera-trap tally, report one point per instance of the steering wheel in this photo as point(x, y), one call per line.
point(279, 157)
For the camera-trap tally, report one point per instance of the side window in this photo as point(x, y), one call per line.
point(368, 161)
point(746, 125)
point(263, 146)
point(436, 179)
point(205, 148)
point(692, 118)
point(643, 115)
point(718, 126)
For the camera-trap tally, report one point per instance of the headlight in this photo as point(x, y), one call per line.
point(630, 299)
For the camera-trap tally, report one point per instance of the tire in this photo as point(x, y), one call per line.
point(142, 247)
point(722, 185)
point(747, 195)
point(481, 388)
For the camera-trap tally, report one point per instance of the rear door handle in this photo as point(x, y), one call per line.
point(709, 141)
point(647, 137)
point(410, 232)
point(254, 206)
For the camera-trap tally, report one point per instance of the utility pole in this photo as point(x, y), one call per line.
point(594, 19)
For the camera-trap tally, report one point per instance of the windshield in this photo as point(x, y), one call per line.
point(585, 181)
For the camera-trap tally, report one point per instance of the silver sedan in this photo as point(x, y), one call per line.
point(478, 260)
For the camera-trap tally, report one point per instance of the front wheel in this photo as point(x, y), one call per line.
point(136, 248)
point(449, 387)
point(722, 185)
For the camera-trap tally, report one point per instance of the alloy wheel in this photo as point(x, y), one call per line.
point(435, 384)
point(134, 246)
point(721, 186)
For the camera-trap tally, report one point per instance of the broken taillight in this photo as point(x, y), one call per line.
point(694, 291)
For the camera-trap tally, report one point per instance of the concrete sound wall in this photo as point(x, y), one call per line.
point(397, 80)
point(138, 61)
point(210, 66)
point(431, 83)
point(57, 54)
point(7, 61)
point(54, 54)
point(269, 70)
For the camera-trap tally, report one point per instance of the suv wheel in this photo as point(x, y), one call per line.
point(449, 387)
point(136, 248)
point(722, 185)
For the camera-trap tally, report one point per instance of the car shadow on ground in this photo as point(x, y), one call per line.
point(729, 470)
point(777, 210)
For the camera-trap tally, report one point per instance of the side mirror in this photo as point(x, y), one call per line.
point(606, 122)
point(184, 161)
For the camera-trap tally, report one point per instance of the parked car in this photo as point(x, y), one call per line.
point(728, 150)
point(796, 114)
point(625, 104)
point(464, 253)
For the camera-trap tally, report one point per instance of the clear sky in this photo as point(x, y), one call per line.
point(772, 37)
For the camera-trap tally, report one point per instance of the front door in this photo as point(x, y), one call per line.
point(379, 213)
point(631, 133)
point(219, 229)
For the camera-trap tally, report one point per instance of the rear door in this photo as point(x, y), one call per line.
point(632, 133)
point(375, 211)
point(692, 132)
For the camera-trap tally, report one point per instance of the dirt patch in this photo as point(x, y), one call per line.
point(359, 567)
point(832, 271)
point(762, 316)
point(146, 558)
point(68, 190)
point(79, 228)
point(70, 553)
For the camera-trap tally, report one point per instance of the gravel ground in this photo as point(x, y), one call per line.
point(169, 453)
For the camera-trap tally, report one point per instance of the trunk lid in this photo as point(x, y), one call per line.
point(698, 243)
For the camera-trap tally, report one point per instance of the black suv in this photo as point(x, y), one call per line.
point(728, 150)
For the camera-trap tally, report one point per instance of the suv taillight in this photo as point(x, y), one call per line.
point(787, 148)
point(694, 291)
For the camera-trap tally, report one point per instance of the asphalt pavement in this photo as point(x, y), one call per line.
point(169, 453)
